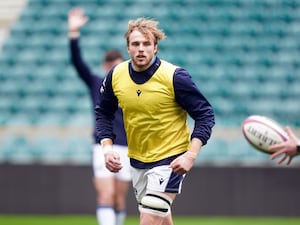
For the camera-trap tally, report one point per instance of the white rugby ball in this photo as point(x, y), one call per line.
point(262, 132)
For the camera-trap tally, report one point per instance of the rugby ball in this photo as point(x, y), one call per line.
point(262, 132)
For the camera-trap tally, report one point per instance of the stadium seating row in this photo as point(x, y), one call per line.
point(45, 150)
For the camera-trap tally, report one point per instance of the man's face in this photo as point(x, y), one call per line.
point(141, 50)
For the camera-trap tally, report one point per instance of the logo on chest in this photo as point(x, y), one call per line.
point(138, 92)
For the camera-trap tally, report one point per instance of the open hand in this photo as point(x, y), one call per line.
point(76, 19)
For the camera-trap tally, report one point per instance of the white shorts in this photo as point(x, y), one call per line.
point(160, 178)
point(100, 169)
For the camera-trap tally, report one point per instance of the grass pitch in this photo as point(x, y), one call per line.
point(131, 220)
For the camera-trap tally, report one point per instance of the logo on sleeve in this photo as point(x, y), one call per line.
point(102, 88)
point(161, 180)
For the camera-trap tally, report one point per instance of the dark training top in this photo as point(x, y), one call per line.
point(94, 83)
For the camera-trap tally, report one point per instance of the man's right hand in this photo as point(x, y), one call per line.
point(112, 161)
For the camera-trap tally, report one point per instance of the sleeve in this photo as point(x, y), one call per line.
point(81, 67)
point(190, 98)
point(105, 110)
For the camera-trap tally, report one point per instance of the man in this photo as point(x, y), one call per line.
point(288, 149)
point(155, 97)
point(111, 188)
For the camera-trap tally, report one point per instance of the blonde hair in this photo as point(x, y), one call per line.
point(148, 27)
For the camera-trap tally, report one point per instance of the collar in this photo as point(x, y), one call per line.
point(143, 76)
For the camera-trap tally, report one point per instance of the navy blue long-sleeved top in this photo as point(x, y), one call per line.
point(94, 83)
point(187, 95)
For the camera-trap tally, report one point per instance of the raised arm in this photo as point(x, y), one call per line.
point(76, 20)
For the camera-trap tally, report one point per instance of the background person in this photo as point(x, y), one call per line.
point(111, 188)
point(155, 96)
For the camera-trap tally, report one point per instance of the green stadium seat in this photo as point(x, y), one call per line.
point(48, 149)
point(79, 149)
point(15, 149)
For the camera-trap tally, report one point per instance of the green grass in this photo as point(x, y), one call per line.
point(178, 220)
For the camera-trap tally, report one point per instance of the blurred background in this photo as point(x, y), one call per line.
point(243, 54)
